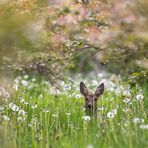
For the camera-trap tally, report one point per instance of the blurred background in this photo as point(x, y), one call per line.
point(56, 38)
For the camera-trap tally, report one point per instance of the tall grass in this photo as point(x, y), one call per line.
point(57, 119)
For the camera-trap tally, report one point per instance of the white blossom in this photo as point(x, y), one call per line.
point(127, 100)
point(139, 97)
point(5, 117)
point(24, 83)
point(21, 112)
point(138, 120)
point(86, 118)
point(110, 115)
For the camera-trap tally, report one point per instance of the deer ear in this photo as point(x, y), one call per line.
point(100, 90)
point(83, 89)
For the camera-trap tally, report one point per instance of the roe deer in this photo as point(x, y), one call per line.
point(91, 98)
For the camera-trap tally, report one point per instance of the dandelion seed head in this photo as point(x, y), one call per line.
point(24, 83)
point(110, 115)
point(86, 118)
point(6, 118)
point(139, 97)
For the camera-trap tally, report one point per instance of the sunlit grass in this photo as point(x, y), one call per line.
point(39, 116)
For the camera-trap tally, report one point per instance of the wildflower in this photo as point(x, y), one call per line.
point(1, 108)
point(33, 79)
point(40, 96)
point(125, 109)
point(6, 94)
point(11, 105)
point(26, 103)
point(15, 87)
point(21, 112)
point(144, 126)
point(19, 118)
point(127, 100)
point(21, 100)
point(34, 106)
point(67, 87)
point(89, 146)
point(16, 81)
point(126, 92)
point(5, 117)
point(45, 110)
point(114, 111)
point(55, 115)
point(138, 120)
point(139, 97)
point(77, 96)
point(86, 118)
point(24, 83)
point(62, 83)
point(68, 113)
point(110, 115)
point(101, 108)
point(94, 82)
point(100, 75)
point(15, 108)
point(26, 76)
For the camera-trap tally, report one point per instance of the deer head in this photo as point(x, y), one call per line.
point(91, 98)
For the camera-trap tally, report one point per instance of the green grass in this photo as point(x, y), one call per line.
point(57, 121)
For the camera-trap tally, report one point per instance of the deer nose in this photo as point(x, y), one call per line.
point(89, 106)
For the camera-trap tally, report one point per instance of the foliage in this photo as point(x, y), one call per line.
point(38, 115)
point(49, 38)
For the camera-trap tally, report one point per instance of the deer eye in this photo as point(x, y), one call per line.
point(86, 99)
point(95, 99)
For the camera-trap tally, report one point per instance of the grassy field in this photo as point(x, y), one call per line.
point(38, 115)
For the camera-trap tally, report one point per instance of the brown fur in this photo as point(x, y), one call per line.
point(91, 98)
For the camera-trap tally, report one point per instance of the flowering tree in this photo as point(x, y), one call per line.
point(49, 37)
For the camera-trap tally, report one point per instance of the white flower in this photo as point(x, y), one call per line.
point(21, 112)
point(1, 108)
point(26, 76)
point(24, 83)
point(126, 93)
point(16, 81)
point(45, 110)
point(125, 109)
point(68, 113)
point(11, 105)
point(100, 75)
point(55, 115)
point(110, 115)
point(33, 79)
point(15, 108)
point(15, 87)
point(62, 83)
point(19, 118)
point(101, 108)
point(77, 96)
point(138, 120)
point(67, 87)
point(114, 111)
point(139, 97)
point(26, 103)
point(127, 100)
point(144, 126)
point(34, 106)
point(6, 94)
point(6, 118)
point(86, 118)
point(21, 100)
point(94, 82)
point(89, 146)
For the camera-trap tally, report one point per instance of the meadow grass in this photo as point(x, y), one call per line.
point(39, 116)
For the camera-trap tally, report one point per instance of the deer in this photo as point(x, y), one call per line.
point(91, 99)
